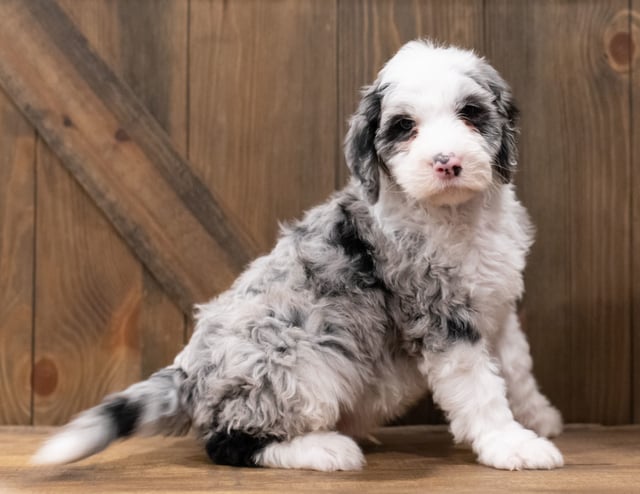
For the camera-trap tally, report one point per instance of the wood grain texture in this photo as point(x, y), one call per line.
point(118, 325)
point(257, 95)
point(88, 299)
point(410, 460)
point(574, 178)
point(153, 63)
point(17, 193)
point(118, 152)
point(370, 32)
point(263, 106)
point(632, 67)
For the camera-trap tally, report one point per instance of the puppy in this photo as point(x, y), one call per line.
point(404, 281)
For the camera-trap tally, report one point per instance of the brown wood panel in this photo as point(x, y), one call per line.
point(271, 87)
point(628, 55)
point(574, 178)
point(263, 106)
point(119, 153)
point(370, 32)
point(162, 327)
point(101, 322)
point(153, 62)
point(88, 297)
point(17, 193)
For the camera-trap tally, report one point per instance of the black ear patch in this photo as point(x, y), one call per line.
point(507, 156)
point(360, 152)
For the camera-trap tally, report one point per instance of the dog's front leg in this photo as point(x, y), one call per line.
point(467, 385)
point(530, 407)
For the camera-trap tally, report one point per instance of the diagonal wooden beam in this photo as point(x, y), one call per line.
point(113, 146)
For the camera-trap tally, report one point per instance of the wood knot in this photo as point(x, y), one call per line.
point(122, 136)
point(620, 41)
point(621, 49)
point(45, 377)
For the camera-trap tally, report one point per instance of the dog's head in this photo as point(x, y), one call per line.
point(438, 122)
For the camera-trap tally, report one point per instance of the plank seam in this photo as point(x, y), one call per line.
point(185, 317)
point(632, 336)
point(338, 150)
point(34, 266)
point(485, 43)
point(188, 88)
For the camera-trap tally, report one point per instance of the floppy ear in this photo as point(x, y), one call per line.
point(507, 157)
point(359, 148)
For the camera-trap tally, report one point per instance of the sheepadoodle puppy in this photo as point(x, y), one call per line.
point(404, 281)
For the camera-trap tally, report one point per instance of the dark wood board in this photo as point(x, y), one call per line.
point(628, 55)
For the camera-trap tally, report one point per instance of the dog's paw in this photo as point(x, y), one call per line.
point(546, 422)
point(324, 451)
point(517, 450)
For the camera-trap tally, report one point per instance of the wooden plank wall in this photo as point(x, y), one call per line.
point(255, 95)
point(17, 208)
point(263, 106)
point(101, 321)
point(575, 166)
point(632, 58)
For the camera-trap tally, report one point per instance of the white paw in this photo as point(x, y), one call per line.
point(516, 450)
point(325, 451)
point(546, 422)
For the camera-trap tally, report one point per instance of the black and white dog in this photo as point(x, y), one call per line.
point(406, 280)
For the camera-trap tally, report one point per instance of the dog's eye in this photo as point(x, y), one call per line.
point(471, 111)
point(399, 128)
point(406, 124)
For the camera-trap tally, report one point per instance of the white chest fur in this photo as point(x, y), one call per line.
point(482, 243)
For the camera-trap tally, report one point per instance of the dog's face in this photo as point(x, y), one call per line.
point(438, 122)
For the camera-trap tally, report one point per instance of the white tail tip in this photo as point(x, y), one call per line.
point(81, 438)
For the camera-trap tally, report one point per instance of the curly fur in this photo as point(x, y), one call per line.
point(402, 281)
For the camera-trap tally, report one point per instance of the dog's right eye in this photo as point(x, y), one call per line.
point(399, 128)
point(406, 124)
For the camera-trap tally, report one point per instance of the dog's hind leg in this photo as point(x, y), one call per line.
point(467, 385)
point(325, 451)
point(530, 407)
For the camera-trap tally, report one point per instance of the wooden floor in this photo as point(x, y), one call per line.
point(410, 459)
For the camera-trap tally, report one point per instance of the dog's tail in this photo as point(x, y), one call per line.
point(150, 407)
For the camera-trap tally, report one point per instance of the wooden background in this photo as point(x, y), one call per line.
point(142, 167)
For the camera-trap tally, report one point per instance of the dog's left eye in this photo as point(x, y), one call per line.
point(471, 112)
